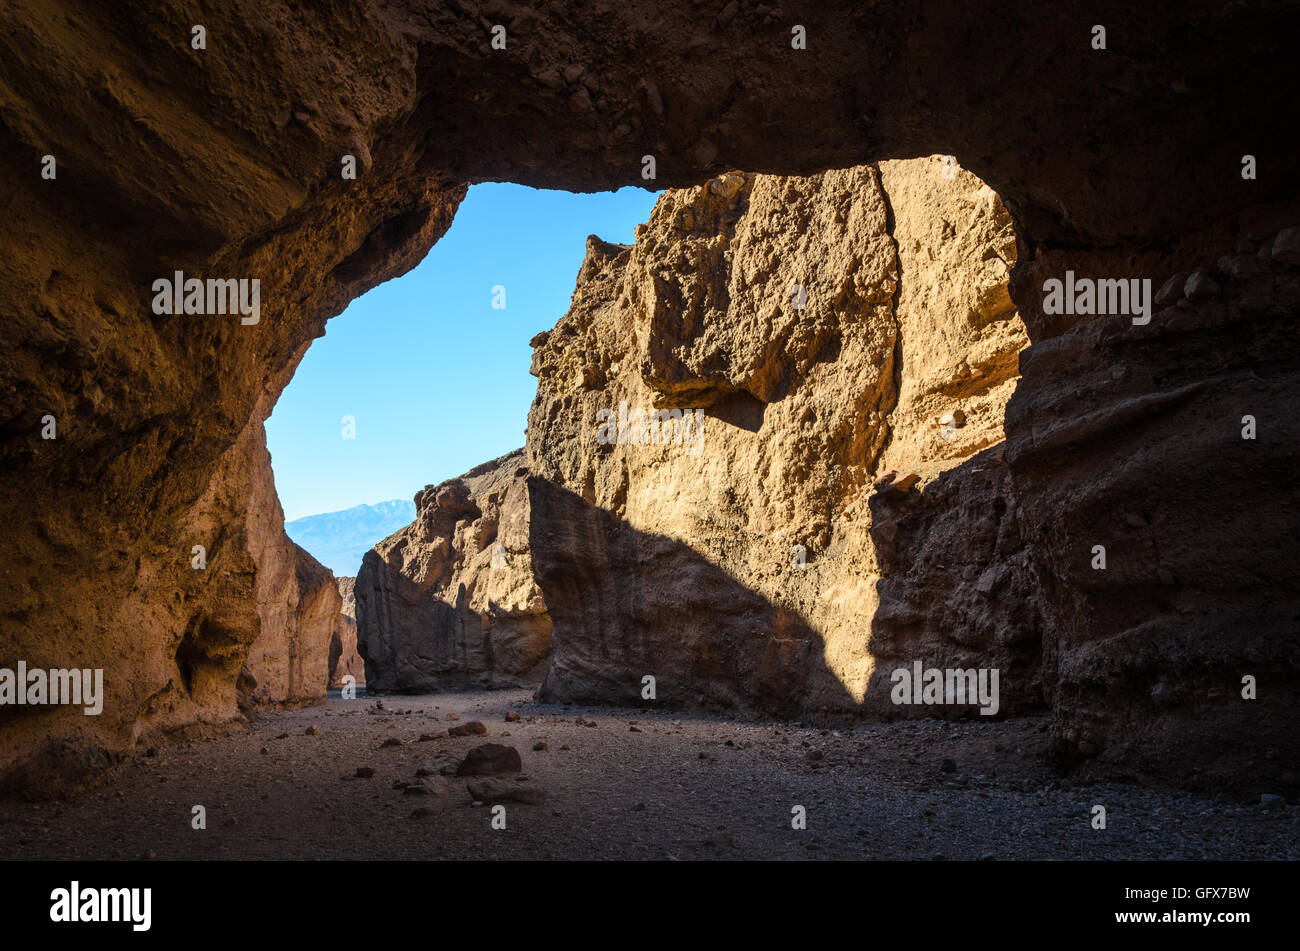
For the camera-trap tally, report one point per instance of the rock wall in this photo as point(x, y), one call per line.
point(344, 660)
point(298, 607)
point(450, 600)
point(808, 331)
point(1136, 438)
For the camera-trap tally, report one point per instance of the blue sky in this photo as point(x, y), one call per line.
point(436, 378)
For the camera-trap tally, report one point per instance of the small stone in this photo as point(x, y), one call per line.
point(391, 741)
point(490, 759)
point(634, 729)
point(564, 748)
point(1286, 246)
point(580, 101)
point(499, 790)
point(1171, 291)
point(512, 717)
point(453, 716)
point(311, 730)
point(421, 812)
point(990, 579)
point(364, 772)
point(1200, 286)
point(283, 736)
point(1245, 266)
point(265, 751)
point(816, 755)
point(473, 728)
point(539, 746)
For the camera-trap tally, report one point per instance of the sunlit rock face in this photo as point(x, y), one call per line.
point(344, 661)
point(450, 600)
point(713, 414)
point(226, 162)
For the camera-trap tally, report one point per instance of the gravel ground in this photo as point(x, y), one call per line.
point(683, 787)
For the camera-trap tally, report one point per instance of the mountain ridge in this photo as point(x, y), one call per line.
point(339, 540)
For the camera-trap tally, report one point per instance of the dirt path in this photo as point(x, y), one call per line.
point(684, 787)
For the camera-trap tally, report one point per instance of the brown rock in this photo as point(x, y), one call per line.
point(492, 791)
point(344, 661)
point(451, 600)
point(473, 728)
point(490, 759)
point(701, 316)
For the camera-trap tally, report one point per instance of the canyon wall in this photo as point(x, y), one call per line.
point(344, 660)
point(298, 606)
point(225, 162)
point(450, 600)
point(789, 338)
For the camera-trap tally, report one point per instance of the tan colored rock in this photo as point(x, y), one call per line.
point(298, 606)
point(451, 599)
point(778, 315)
point(344, 661)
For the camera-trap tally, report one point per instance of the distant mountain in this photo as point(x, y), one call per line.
point(339, 540)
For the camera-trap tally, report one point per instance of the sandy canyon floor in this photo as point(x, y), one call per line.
point(677, 787)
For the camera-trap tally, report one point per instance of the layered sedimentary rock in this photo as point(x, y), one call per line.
point(344, 661)
point(224, 162)
point(451, 600)
point(714, 410)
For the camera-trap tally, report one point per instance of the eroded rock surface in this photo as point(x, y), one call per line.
point(451, 600)
point(786, 337)
point(344, 661)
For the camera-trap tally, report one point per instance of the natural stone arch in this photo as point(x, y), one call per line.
point(225, 162)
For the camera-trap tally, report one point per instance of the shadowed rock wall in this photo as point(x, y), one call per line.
point(450, 600)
